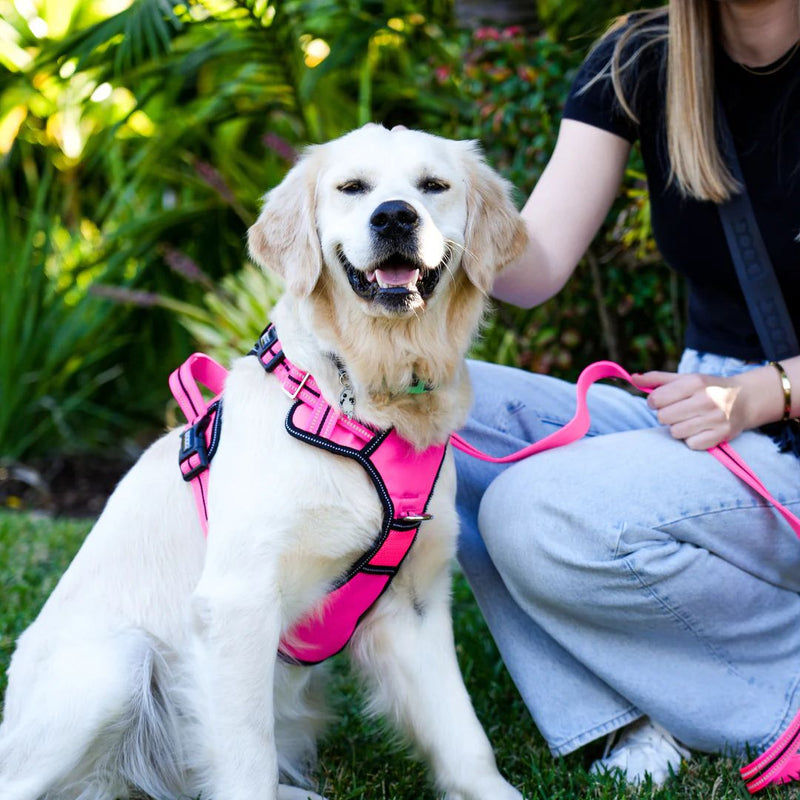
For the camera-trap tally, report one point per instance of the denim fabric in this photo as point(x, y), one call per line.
point(626, 574)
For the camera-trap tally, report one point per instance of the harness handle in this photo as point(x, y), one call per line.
point(183, 383)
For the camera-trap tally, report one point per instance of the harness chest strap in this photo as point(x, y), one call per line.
point(403, 478)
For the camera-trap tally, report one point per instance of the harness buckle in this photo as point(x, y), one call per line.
point(261, 349)
point(293, 395)
point(193, 444)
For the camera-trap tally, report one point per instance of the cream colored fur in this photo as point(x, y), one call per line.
point(153, 663)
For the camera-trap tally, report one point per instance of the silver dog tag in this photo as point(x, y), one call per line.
point(347, 402)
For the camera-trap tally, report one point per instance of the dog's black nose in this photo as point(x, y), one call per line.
point(394, 218)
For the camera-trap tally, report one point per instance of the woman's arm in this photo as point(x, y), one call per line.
point(565, 211)
point(704, 410)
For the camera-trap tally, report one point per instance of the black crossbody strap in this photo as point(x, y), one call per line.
point(752, 262)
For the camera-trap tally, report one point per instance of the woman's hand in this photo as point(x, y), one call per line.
point(704, 410)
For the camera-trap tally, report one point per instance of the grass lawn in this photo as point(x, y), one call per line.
point(359, 761)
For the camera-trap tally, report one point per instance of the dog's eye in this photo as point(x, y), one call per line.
point(353, 187)
point(433, 185)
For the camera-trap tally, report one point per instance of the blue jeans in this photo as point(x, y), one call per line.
point(627, 575)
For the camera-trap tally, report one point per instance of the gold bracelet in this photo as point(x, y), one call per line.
point(786, 384)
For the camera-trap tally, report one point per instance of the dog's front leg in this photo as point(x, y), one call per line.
point(236, 610)
point(407, 647)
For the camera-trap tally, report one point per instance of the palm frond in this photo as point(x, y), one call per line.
point(144, 31)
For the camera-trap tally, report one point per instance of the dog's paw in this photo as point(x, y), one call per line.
point(295, 793)
point(498, 790)
point(508, 793)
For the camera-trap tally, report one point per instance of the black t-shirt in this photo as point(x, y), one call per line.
point(764, 116)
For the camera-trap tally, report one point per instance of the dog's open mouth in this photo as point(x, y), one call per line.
point(395, 282)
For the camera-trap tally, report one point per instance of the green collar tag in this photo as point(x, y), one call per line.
point(418, 387)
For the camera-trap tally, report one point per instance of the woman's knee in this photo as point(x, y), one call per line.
point(541, 533)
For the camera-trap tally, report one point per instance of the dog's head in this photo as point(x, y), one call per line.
point(391, 216)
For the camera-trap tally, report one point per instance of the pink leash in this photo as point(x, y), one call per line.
point(781, 762)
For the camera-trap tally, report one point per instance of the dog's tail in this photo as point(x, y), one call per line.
point(150, 756)
point(301, 714)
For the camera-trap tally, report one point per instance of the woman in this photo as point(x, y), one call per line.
point(631, 583)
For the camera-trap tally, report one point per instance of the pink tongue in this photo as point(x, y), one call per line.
point(397, 276)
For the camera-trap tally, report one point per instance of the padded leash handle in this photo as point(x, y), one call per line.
point(781, 762)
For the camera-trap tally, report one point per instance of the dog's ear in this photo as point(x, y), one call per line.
point(284, 237)
point(495, 233)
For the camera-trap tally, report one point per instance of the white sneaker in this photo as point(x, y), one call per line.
point(295, 793)
point(643, 748)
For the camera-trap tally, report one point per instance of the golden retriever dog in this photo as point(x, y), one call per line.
point(153, 667)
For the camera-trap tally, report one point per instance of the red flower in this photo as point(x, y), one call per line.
point(482, 34)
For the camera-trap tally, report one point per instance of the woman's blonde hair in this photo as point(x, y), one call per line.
point(696, 164)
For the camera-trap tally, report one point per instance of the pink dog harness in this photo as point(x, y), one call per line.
point(404, 479)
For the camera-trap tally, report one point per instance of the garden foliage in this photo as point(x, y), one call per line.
point(138, 136)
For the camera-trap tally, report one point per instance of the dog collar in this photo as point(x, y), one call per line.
point(347, 396)
point(419, 386)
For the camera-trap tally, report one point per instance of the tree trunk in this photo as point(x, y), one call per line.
point(500, 13)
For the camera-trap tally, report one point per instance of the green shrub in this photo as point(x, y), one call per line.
point(56, 340)
point(163, 124)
